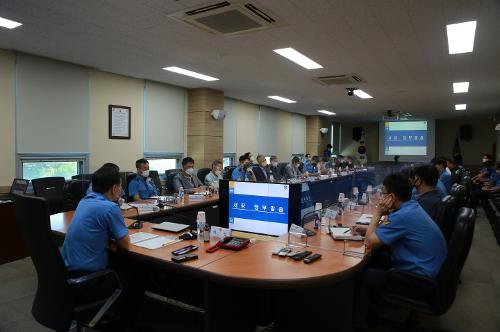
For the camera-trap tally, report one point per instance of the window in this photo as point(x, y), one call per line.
point(33, 167)
point(228, 160)
point(161, 165)
point(268, 159)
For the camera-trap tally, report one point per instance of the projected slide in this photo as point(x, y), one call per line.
point(405, 138)
point(258, 207)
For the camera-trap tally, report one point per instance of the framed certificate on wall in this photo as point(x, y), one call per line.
point(119, 122)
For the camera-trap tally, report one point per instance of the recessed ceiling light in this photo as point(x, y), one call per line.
point(361, 94)
point(327, 112)
point(285, 100)
point(460, 87)
point(298, 58)
point(460, 107)
point(461, 37)
point(190, 73)
point(8, 23)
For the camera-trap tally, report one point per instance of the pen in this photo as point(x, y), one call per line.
point(347, 230)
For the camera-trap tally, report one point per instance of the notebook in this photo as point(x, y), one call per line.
point(344, 233)
point(170, 227)
point(141, 236)
point(365, 219)
point(157, 242)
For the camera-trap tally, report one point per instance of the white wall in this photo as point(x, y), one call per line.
point(7, 120)
point(349, 147)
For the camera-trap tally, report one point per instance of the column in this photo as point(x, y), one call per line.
point(204, 133)
point(315, 141)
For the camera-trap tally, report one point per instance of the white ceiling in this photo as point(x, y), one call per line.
point(398, 47)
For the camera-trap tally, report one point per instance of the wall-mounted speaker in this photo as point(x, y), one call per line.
point(357, 132)
point(466, 133)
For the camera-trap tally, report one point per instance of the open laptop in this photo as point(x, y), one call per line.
point(18, 187)
point(170, 227)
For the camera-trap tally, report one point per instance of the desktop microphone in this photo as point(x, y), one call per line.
point(138, 223)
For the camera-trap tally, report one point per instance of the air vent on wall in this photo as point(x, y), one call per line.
point(338, 79)
point(229, 18)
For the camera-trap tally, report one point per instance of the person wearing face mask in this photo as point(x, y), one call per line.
point(485, 172)
point(444, 181)
point(322, 169)
point(260, 171)
point(427, 195)
point(312, 166)
point(212, 178)
point(142, 187)
point(490, 186)
point(244, 171)
point(415, 241)
point(187, 179)
point(292, 170)
point(273, 170)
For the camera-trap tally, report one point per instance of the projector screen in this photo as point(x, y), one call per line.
point(411, 140)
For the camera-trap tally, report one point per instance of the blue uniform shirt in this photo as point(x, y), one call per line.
point(95, 222)
point(445, 178)
point(309, 168)
point(239, 174)
point(440, 186)
point(143, 187)
point(416, 242)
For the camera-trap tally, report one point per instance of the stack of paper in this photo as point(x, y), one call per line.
point(365, 219)
point(157, 242)
point(141, 236)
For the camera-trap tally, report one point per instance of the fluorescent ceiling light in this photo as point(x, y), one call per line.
point(461, 37)
point(298, 58)
point(190, 73)
point(285, 100)
point(460, 107)
point(361, 94)
point(327, 112)
point(460, 87)
point(8, 23)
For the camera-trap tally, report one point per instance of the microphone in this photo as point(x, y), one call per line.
point(138, 223)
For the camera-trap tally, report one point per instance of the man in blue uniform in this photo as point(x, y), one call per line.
point(427, 195)
point(444, 176)
point(312, 166)
point(415, 241)
point(142, 187)
point(244, 171)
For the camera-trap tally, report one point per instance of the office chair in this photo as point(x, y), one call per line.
point(446, 216)
point(130, 177)
point(54, 305)
point(202, 172)
point(74, 191)
point(86, 176)
point(460, 193)
point(467, 183)
point(440, 291)
point(156, 180)
point(52, 189)
point(228, 172)
point(169, 183)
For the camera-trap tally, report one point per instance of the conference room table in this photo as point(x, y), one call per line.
point(313, 297)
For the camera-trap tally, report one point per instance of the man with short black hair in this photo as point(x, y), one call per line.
point(292, 170)
point(444, 176)
point(416, 243)
point(110, 165)
point(273, 170)
point(244, 171)
point(312, 166)
point(429, 198)
point(142, 186)
point(328, 151)
point(187, 179)
point(212, 178)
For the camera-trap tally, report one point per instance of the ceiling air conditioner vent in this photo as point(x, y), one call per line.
point(228, 18)
point(338, 79)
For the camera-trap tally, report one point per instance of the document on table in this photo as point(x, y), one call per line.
point(141, 236)
point(145, 207)
point(157, 242)
point(344, 233)
point(365, 219)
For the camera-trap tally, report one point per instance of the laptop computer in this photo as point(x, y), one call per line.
point(18, 187)
point(170, 227)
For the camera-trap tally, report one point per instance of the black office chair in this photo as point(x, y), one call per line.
point(202, 172)
point(467, 183)
point(156, 180)
point(86, 176)
point(169, 183)
point(52, 189)
point(439, 292)
point(54, 305)
point(74, 191)
point(460, 193)
point(228, 172)
point(130, 177)
point(446, 216)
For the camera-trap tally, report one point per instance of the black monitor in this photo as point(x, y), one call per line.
point(259, 207)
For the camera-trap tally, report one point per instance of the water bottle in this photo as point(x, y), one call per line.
point(181, 194)
point(200, 225)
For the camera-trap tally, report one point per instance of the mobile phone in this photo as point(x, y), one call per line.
point(184, 250)
point(184, 258)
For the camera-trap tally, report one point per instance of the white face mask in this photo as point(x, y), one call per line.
point(275, 164)
point(190, 171)
point(485, 160)
point(264, 164)
point(145, 173)
point(218, 172)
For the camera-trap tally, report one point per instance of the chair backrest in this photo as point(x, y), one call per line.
point(446, 216)
point(74, 191)
point(52, 189)
point(202, 172)
point(156, 180)
point(169, 183)
point(459, 192)
point(458, 250)
point(54, 299)
point(467, 183)
point(19, 186)
point(228, 172)
point(130, 177)
point(85, 176)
